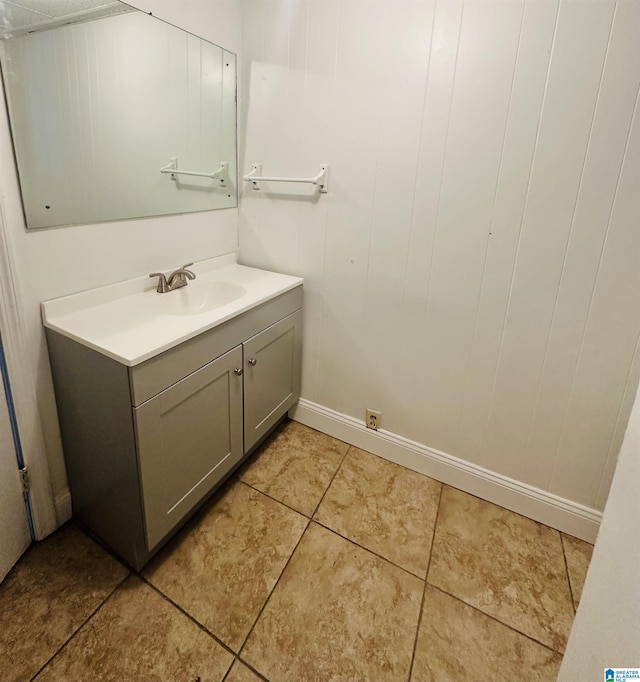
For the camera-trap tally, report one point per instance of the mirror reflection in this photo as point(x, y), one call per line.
point(119, 115)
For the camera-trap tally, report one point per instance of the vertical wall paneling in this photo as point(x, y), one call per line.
point(361, 63)
point(578, 55)
point(618, 433)
point(469, 273)
point(521, 133)
point(317, 120)
point(250, 140)
point(613, 323)
point(584, 255)
point(403, 82)
point(393, 159)
point(441, 64)
point(488, 44)
point(275, 46)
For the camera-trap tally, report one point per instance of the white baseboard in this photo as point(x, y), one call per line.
point(62, 505)
point(557, 512)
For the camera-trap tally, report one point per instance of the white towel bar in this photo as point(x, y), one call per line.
point(220, 174)
point(320, 180)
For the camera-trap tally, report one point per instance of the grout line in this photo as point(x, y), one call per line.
point(82, 626)
point(309, 521)
point(253, 670)
point(179, 608)
point(433, 535)
point(366, 549)
point(335, 473)
point(323, 525)
point(288, 506)
point(566, 567)
point(424, 589)
point(354, 542)
point(453, 596)
point(273, 589)
point(497, 620)
point(396, 464)
point(284, 504)
point(226, 675)
point(499, 506)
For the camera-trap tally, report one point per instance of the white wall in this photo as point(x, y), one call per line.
point(606, 629)
point(56, 262)
point(473, 271)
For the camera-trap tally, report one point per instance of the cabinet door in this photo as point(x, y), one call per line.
point(189, 436)
point(272, 361)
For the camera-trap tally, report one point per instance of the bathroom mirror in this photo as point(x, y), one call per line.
point(115, 114)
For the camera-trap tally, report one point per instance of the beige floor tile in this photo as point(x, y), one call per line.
point(295, 466)
point(383, 507)
point(457, 642)
point(138, 635)
point(508, 566)
point(337, 613)
point(54, 588)
point(578, 554)
point(241, 673)
point(222, 568)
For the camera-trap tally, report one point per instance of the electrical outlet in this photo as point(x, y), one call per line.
point(373, 419)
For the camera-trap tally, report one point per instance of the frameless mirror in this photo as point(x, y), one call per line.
point(117, 115)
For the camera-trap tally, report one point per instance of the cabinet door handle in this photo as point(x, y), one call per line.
point(252, 361)
point(238, 371)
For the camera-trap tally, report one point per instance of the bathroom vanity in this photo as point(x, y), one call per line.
point(161, 396)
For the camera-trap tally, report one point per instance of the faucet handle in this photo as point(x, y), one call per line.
point(163, 285)
point(186, 273)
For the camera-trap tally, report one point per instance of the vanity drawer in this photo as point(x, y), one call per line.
point(158, 373)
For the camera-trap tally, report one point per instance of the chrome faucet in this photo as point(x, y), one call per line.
point(176, 279)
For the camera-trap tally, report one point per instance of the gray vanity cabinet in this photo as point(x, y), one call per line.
point(189, 436)
point(146, 444)
point(271, 376)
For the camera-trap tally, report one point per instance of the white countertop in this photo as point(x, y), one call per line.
point(130, 322)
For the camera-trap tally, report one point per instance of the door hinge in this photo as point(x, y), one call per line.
point(24, 479)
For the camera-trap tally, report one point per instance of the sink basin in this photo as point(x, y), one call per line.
point(131, 323)
point(198, 298)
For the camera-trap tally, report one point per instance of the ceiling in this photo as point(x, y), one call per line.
point(18, 17)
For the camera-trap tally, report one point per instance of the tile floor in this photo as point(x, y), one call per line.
point(318, 561)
